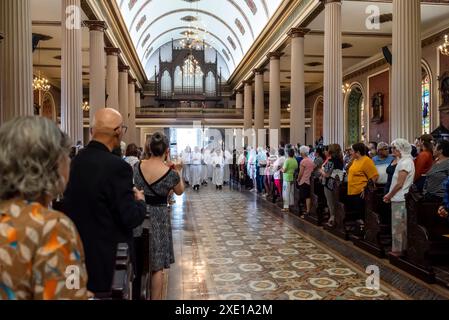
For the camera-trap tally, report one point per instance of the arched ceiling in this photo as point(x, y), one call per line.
point(229, 26)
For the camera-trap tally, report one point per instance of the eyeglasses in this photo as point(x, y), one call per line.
point(123, 127)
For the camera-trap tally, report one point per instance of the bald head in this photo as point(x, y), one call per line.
point(105, 119)
point(107, 127)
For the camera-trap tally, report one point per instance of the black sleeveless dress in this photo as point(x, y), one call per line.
point(156, 196)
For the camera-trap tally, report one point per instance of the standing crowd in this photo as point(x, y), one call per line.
point(396, 167)
point(105, 193)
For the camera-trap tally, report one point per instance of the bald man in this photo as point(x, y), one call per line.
point(101, 199)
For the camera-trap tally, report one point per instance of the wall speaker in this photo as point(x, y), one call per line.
point(387, 54)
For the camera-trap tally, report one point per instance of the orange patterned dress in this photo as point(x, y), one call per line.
point(41, 254)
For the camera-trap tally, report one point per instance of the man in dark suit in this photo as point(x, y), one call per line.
point(101, 200)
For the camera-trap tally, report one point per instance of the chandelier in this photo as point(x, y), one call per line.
point(41, 84)
point(196, 34)
point(86, 106)
point(346, 88)
point(444, 48)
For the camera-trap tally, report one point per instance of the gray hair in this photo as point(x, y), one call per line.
point(304, 150)
point(31, 148)
point(403, 146)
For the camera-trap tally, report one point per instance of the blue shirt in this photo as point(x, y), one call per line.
point(387, 161)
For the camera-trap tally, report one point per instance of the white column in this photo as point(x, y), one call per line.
point(239, 100)
point(406, 75)
point(97, 83)
point(123, 93)
point(248, 105)
point(16, 65)
point(297, 90)
point(71, 73)
point(112, 78)
point(333, 75)
point(275, 93)
point(132, 111)
point(248, 111)
point(138, 105)
point(259, 105)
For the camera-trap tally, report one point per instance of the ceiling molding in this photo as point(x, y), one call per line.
point(153, 22)
point(186, 27)
point(39, 23)
point(290, 14)
point(119, 36)
point(245, 17)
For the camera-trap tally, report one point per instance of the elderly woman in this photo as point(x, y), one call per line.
point(400, 185)
point(437, 175)
point(360, 172)
point(37, 245)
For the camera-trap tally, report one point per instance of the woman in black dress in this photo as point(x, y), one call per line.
point(157, 177)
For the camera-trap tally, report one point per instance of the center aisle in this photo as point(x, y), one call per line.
point(227, 247)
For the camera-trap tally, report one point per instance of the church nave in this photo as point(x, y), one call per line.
point(233, 245)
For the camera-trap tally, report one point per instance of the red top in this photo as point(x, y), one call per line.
point(423, 163)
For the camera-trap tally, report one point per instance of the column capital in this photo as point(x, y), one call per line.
point(111, 51)
point(247, 83)
point(325, 2)
point(124, 69)
point(274, 55)
point(96, 25)
point(131, 80)
point(298, 32)
point(259, 71)
point(238, 91)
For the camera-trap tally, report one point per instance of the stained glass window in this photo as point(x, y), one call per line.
point(425, 105)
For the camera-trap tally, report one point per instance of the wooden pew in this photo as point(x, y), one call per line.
point(376, 238)
point(121, 288)
point(317, 213)
point(427, 254)
point(141, 283)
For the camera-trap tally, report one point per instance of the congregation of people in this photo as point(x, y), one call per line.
point(395, 167)
point(107, 192)
point(65, 211)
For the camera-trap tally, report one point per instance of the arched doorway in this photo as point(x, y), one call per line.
point(355, 122)
point(318, 116)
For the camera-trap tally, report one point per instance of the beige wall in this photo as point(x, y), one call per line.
point(431, 60)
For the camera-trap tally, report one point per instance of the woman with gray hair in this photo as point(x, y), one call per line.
point(400, 185)
point(37, 244)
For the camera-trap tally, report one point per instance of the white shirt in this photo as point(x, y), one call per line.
point(186, 157)
point(278, 163)
point(404, 164)
point(196, 158)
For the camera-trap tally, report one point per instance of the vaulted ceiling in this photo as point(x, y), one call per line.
point(228, 26)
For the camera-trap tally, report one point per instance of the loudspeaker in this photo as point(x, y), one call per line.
point(387, 54)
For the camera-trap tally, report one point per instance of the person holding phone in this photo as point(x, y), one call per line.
point(158, 177)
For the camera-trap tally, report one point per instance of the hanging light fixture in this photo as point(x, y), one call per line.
point(346, 88)
point(85, 106)
point(40, 83)
point(444, 48)
point(196, 34)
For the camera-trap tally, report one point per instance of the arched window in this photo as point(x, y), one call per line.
point(178, 80)
point(166, 84)
point(210, 84)
point(199, 80)
point(425, 103)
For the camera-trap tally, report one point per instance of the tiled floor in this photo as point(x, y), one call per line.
point(230, 247)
